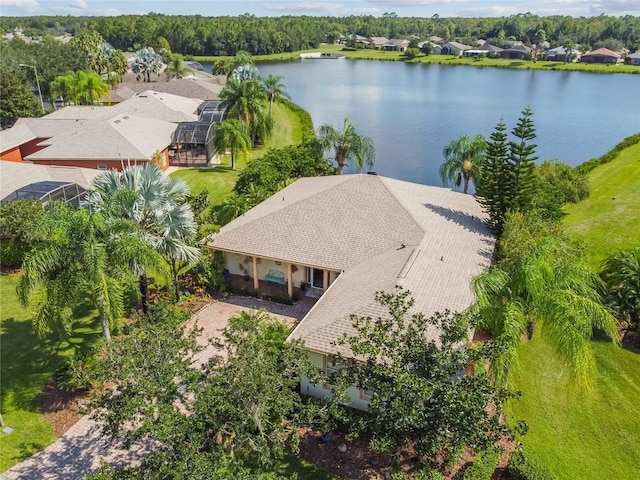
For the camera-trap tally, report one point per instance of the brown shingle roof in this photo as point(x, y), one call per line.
point(379, 232)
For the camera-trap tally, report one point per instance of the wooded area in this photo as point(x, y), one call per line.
point(198, 35)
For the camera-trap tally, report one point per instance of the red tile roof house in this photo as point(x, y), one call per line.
point(349, 236)
point(601, 55)
point(103, 137)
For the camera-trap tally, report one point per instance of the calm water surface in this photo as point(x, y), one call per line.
point(412, 111)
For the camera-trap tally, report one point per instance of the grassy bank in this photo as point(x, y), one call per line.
point(219, 181)
point(28, 363)
point(585, 435)
point(368, 54)
point(588, 435)
point(608, 220)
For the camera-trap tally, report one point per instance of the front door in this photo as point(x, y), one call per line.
point(315, 277)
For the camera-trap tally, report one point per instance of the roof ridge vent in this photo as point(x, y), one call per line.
point(409, 263)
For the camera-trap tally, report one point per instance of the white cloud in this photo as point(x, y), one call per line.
point(80, 4)
point(26, 6)
point(308, 7)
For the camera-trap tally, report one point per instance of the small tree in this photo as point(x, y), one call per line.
point(147, 62)
point(463, 160)
point(422, 401)
point(231, 134)
point(275, 90)
point(348, 145)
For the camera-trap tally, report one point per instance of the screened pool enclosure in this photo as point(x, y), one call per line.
point(192, 142)
point(49, 191)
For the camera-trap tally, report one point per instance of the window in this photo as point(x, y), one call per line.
point(366, 393)
point(102, 166)
point(330, 370)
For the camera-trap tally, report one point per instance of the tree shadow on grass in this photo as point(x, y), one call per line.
point(28, 362)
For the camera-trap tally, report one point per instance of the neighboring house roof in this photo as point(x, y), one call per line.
point(603, 52)
point(456, 46)
point(16, 175)
point(15, 136)
point(379, 40)
point(487, 47)
point(436, 39)
point(44, 127)
point(122, 137)
point(207, 88)
point(151, 104)
point(398, 42)
point(518, 48)
point(634, 55)
point(380, 232)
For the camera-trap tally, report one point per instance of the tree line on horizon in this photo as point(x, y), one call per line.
point(218, 36)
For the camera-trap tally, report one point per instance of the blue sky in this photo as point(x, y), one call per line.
point(408, 8)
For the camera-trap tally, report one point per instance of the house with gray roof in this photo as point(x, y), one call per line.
point(378, 42)
point(601, 55)
point(632, 59)
point(346, 237)
point(454, 48)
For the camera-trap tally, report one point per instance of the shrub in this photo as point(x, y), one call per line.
point(77, 372)
point(521, 467)
point(283, 298)
point(306, 122)
point(12, 253)
point(589, 165)
point(483, 465)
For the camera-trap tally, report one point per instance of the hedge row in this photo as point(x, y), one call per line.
point(521, 467)
point(589, 165)
point(308, 133)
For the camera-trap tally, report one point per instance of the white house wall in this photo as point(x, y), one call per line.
point(319, 391)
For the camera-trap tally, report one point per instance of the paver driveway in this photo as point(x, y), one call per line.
point(82, 449)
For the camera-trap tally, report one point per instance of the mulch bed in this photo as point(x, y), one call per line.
point(61, 408)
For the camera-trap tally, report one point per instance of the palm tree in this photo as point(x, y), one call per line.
point(93, 88)
point(463, 160)
point(243, 100)
point(232, 207)
point(176, 69)
point(63, 86)
point(275, 90)
point(550, 287)
point(348, 145)
point(79, 252)
point(230, 134)
point(621, 273)
point(147, 62)
point(157, 204)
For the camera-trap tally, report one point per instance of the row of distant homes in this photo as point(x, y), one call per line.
point(150, 126)
point(518, 51)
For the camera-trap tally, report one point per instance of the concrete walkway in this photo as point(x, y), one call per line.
point(82, 448)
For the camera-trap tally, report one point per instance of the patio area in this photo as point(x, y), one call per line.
point(303, 299)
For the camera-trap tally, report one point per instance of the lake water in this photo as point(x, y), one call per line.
point(412, 111)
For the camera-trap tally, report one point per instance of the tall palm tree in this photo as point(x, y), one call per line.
point(463, 160)
point(243, 100)
point(348, 145)
point(176, 69)
point(230, 134)
point(80, 253)
point(157, 204)
point(63, 87)
point(94, 88)
point(552, 288)
point(275, 90)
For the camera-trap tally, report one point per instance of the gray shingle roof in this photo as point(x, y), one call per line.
point(15, 175)
point(122, 137)
point(380, 232)
point(15, 136)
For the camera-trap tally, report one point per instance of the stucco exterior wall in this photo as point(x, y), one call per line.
point(12, 155)
point(319, 391)
point(234, 260)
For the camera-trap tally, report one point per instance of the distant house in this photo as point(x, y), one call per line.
point(397, 45)
point(435, 48)
point(517, 52)
point(137, 131)
point(378, 42)
point(559, 54)
point(428, 240)
point(454, 48)
point(601, 55)
point(632, 59)
point(436, 39)
point(486, 50)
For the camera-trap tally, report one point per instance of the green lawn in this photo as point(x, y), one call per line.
point(219, 181)
point(588, 435)
point(27, 364)
point(578, 435)
point(609, 220)
point(369, 54)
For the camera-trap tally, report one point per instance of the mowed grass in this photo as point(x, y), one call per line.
point(580, 435)
point(219, 181)
point(577, 434)
point(371, 54)
point(609, 220)
point(27, 364)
